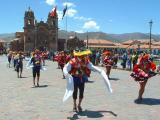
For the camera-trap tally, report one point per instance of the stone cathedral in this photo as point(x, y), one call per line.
point(40, 35)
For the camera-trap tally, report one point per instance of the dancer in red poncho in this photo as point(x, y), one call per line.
point(107, 62)
point(142, 71)
point(75, 72)
point(62, 60)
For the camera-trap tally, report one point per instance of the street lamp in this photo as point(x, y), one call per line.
point(87, 39)
point(150, 25)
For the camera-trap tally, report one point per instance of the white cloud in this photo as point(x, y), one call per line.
point(82, 18)
point(91, 25)
point(60, 13)
point(69, 4)
point(51, 2)
point(71, 12)
point(79, 31)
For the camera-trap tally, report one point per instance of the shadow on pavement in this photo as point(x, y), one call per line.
point(90, 114)
point(23, 77)
point(40, 86)
point(89, 81)
point(114, 79)
point(148, 101)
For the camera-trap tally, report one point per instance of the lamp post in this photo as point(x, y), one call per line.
point(87, 39)
point(150, 35)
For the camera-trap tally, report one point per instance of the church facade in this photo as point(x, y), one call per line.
point(40, 35)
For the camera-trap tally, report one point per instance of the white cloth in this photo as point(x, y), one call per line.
point(29, 65)
point(102, 73)
point(70, 83)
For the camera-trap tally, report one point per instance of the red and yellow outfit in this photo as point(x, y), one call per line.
point(79, 68)
point(144, 69)
point(76, 71)
point(62, 59)
point(108, 62)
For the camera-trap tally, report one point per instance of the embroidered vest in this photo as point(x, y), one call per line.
point(79, 68)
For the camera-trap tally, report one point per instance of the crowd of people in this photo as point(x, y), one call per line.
point(36, 61)
point(76, 67)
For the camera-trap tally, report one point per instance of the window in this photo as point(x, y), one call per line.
point(29, 22)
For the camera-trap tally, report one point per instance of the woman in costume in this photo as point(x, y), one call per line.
point(43, 56)
point(62, 61)
point(107, 62)
point(75, 72)
point(19, 65)
point(36, 60)
point(142, 71)
point(9, 58)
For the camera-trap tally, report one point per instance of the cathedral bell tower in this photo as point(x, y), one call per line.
point(29, 30)
point(29, 19)
point(52, 22)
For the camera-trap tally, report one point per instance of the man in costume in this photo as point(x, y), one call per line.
point(75, 72)
point(142, 71)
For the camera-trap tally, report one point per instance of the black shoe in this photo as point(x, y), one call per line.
point(79, 108)
point(138, 100)
point(37, 84)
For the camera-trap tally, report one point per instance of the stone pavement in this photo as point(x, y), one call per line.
point(19, 101)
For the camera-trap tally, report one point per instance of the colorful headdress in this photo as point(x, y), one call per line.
point(106, 53)
point(82, 53)
point(145, 57)
point(37, 51)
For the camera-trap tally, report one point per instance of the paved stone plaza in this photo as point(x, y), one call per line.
point(19, 101)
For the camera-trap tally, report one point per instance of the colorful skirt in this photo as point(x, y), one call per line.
point(140, 77)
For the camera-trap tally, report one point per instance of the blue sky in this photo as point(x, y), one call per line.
point(110, 16)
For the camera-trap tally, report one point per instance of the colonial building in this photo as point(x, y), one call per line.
point(37, 35)
point(74, 43)
point(41, 35)
point(99, 43)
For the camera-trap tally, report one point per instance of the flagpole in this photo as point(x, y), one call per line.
point(66, 25)
point(87, 39)
point(65, 12)
point(66, 32)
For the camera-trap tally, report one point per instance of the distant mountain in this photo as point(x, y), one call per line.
point(131, 36)
point(95, 35)
point(7, 36)
point(112, 37)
